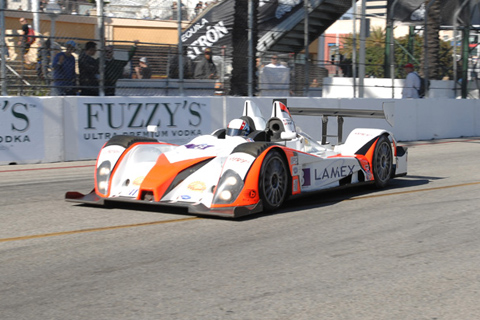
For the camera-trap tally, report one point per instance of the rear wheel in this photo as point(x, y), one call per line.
point(382, 162)
point(273, 181)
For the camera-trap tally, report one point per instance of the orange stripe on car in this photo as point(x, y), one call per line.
point(162, 174)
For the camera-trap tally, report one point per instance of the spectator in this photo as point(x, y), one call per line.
point(198, 8)
point(64, 76)
point(206, 69)
point(28, 36)
point(315, 83)
point(43, 57)
point(412, 83)
point(173, 67)
point(89, 70)
point(274, 63)
point(184, 11)
point(143, 70)
point(114, 68)
point(174, 15)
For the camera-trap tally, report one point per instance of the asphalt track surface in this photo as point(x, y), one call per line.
point(411, 251)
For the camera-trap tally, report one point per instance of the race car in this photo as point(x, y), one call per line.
point(251, 166)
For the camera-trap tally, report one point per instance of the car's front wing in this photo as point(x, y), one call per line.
point(195, 208)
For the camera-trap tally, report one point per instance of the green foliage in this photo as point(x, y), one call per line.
point(375, 54)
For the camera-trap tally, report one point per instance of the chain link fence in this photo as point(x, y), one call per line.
point(153, 33)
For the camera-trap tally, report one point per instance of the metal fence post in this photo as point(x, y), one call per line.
point(101, 34)
point(455, 27)
point(3, 67)
point(180, 48)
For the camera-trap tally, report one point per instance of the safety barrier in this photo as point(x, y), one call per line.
point(54, 129)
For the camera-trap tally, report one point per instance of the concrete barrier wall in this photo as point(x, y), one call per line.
point(53, 129)
point(381, 88)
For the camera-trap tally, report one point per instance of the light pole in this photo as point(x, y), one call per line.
point(3, 47)
point(53, 10)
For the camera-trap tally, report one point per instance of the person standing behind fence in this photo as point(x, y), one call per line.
point(412, 83)
point(174, 68)
point(114, 68)
point(43, 58)
point(198, 8)
point(64, 76)
point(274, 63)
point(28, 36)
point(206, 69)
point(23, 41)
point(88, 67)
point(143, 70)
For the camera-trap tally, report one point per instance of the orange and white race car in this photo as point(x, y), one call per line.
point(251, 166)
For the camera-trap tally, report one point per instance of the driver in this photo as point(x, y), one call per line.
point(238, 127)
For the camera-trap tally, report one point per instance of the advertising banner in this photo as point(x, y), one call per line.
point(214, 28)
point(178, 120)
point(21, 130)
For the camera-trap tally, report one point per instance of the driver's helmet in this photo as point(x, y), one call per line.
point(238, 127)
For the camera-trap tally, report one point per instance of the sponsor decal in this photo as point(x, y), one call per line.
point(185, 197)
point(158, 135)
point(365, 134)
point(295, 170)
point(294, 160)
point(133, 192)
point(334, 172)
point(17, 114)
point(202, 146)
point(139, 115)
point(21, 129)
point(15, 119)
point(197, 186)
point(295, 188)
point(322, 174)
point(113, 151)
point(366, 167)
point(306, 181)
point(178, 120)
point(216, 26)
point(238, 159)
point(14, 139)
point(138, 181)
point(210, 38)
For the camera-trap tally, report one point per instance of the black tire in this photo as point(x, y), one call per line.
point(382, 162)
point(127, 141)
point(273, 181)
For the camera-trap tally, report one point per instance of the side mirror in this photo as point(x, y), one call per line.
point(288, 135)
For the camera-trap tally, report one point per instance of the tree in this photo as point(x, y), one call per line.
point(443, 66)
point(375, 53)
point(433, 41)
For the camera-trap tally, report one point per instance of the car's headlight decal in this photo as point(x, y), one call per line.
point(229, 188)
point(103, 176)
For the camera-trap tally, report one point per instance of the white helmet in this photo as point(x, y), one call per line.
point(238, 127)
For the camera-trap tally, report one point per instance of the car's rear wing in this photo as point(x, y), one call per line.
point(386, 113)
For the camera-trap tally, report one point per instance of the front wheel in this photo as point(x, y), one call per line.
point(382, 162)
point(273, 181)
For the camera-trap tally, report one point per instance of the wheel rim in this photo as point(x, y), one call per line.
point(383, 161)
point(275, 182)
